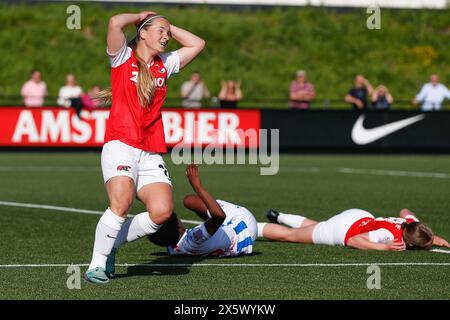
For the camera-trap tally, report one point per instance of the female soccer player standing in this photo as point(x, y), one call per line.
point(134, 140)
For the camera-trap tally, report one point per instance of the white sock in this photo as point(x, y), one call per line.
point(105, 234)
point(139, 226)
point(291, 220)
point(261, 226)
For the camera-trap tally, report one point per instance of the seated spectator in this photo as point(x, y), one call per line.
point(432, 94)
point(89, 100)
point(193, 91)
point(358, 94)
point(69, 92)
point(34, 90)
point(230, 94)
point(301, 92)
point(381, 98)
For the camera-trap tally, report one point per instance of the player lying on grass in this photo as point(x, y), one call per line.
point(354, 228)
point(228, 230)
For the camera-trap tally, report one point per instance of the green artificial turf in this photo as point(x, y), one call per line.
point(307, 184)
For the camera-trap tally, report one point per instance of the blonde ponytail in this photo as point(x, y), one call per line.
point(145, 85)
point(104, 97)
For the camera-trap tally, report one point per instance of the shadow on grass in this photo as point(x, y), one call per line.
point(166, 265)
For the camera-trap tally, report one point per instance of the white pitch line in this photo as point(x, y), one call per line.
point(172, 265)
point(380, 172)
point(48, 207)
point(50, 168)
point(229, 168)
point(66, 209)
point(191, 221)
point(440, 250)
point(438, 175)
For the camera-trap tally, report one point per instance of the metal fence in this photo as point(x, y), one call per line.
point(259, 103)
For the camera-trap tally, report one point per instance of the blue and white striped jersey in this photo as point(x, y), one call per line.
point(235, 237)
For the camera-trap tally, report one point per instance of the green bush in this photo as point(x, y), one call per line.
point(263, 48)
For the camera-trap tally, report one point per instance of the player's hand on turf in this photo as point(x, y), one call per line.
point(396, 246)
point(438, 241)
point(193, 176)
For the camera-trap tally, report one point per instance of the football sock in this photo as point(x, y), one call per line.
point(105, 234)
point(261, 226)
point(291, 220)
point(139, 226)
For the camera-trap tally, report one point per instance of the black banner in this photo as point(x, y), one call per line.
point(336, 130)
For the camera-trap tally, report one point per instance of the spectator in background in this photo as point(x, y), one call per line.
point(70, 94)
point(432, 94)
point(359, 93)
point(193, 91)
point(34, 90)
point(230, 94)
point(301, 92)
point(381, 98)
point(89, 100)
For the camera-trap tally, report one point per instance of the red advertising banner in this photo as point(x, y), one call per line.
point(59, 127)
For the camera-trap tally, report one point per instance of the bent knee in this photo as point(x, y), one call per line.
point(120, 205)
point(160, 212)
point(120, 208)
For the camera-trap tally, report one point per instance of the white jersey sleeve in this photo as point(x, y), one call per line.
point(171, 61)
point(119, 57)
point(381, 236)
point(230, 209)
point(410, 218)
point(198, 241)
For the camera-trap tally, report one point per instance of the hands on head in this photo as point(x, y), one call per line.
point(145, 14)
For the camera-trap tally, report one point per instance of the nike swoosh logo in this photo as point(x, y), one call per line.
point(134, 65)
point(110, 236)
point(361, 135)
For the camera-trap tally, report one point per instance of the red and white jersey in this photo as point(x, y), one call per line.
point(128, 121)
point(381, 230)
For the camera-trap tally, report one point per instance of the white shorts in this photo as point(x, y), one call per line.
point(120, 159)
point(333, 231)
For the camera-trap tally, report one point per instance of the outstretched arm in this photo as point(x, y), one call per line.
point(405, 213)
point(441, 242)
point(191, 44)
point(361, 241)
point(217, 214)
